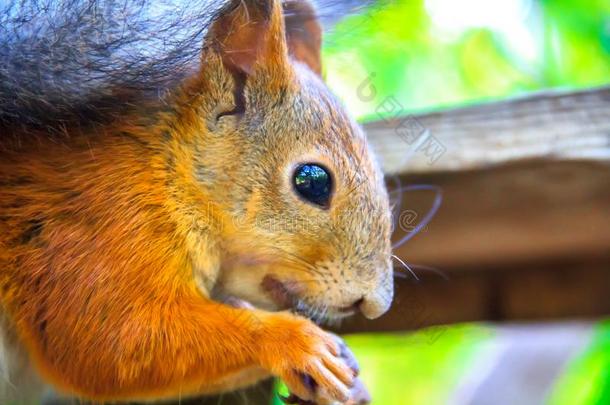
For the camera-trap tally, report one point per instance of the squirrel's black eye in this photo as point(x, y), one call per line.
point(313, 183)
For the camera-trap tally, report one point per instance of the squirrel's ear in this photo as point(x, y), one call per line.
point(250, 32)
point(303, 33)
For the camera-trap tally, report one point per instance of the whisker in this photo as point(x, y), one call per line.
point(295, 264)
point(438, 199)
point(398, 203)
point(303, 261)
point(319, 314)
point(288, 253)
point(400, 274)
point(406, 266)
point(307, 280)
point(434, 270)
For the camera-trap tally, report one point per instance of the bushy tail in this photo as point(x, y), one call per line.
point(63, 61)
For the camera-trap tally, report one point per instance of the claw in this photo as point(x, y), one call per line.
point(360, 395)
point(347, 355)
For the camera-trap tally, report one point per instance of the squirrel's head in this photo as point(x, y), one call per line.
point(294, 199)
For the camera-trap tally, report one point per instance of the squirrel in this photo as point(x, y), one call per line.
point(180, 205)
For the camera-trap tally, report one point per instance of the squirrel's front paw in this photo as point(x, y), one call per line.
point(310, 361)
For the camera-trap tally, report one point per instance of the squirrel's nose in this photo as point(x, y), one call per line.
point(377, 300)
point(376, 304)
point(374, 307)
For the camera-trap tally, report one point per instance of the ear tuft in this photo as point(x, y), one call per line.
point(248, 32)
point(303, 33)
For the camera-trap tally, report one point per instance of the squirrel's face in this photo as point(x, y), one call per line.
point(306, 217)
point(297, 204)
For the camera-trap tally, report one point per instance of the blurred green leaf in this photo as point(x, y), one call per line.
point(423, 65)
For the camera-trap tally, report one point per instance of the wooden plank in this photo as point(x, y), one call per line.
point(550, 125)
point(523, 231)
point(527, 240)
point(525, 211)
point(562, 289)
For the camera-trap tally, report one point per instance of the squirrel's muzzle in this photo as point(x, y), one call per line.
point(377, 300)
point(377, 303)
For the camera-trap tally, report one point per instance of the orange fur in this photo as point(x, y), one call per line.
point(113, 242)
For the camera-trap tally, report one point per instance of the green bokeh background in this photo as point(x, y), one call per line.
point(437, 54)
point(424, 368)
point(427, 61)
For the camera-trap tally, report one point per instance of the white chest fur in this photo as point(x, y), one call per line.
point(19, 383)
